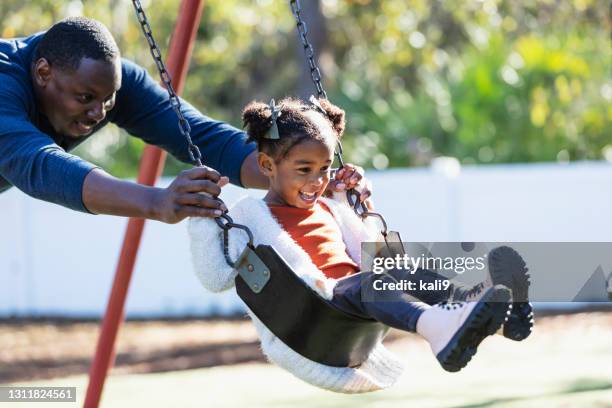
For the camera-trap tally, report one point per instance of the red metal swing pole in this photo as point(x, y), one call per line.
point(151, 166)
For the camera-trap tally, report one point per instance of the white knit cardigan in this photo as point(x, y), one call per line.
point(380, 370)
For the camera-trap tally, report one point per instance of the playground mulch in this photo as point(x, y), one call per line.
point(45, 349)
point(51, 348)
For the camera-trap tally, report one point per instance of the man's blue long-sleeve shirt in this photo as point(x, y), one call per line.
point(34, 158)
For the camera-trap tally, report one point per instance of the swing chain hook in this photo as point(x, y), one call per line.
point(362, 210)
point(226, 226)
point(195, 156)
point(315, 73)
point(385, 229)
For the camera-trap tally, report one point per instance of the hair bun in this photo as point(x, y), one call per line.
point(334, 114)
point(256, 118)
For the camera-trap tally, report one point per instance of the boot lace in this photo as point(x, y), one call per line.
point(451, 305)
point(475, 290)
point(463, 295)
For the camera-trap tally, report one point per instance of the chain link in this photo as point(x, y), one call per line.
point(315, 73)
point(194, 152)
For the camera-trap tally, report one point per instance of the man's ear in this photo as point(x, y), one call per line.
point(266, 163)
point(42, 72)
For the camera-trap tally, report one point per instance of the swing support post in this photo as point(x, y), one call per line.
point(151, 166)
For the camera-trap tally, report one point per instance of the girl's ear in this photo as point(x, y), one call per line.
point(266, 164)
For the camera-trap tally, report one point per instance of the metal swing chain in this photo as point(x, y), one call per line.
point(194, 152)
point(315, 73)
point(229, 224)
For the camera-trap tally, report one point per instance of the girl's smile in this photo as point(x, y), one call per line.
point(301, 177)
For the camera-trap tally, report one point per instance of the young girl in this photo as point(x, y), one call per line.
point(320, 239)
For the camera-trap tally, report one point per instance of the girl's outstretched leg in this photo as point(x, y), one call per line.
point(453, 329)
point(357, 295)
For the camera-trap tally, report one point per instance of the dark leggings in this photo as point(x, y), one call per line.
point(357, 295)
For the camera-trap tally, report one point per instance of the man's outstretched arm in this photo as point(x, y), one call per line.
point(105, 194)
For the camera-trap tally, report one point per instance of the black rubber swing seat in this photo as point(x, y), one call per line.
point(299, 316)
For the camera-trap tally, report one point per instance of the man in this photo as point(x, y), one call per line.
point(58, 88)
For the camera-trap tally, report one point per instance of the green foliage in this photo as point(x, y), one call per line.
point(488, 81)
point(484, 81)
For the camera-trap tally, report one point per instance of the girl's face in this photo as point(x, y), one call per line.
point(300, 178)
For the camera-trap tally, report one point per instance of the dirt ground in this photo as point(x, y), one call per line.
point(46, 349)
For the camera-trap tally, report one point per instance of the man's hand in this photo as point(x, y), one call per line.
point(351, 176)
point(193, 193)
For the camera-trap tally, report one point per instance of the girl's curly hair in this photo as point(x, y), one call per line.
point(294, 124)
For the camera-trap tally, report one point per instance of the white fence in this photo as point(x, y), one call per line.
point(55, 262)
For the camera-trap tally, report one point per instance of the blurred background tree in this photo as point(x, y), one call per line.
point(489, 81)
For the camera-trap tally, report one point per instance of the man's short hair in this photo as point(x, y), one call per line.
point(67, 42)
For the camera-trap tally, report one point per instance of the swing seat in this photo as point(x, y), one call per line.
point(299, 316)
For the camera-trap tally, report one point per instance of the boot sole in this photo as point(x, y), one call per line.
point(484, 320)
point(508, 268)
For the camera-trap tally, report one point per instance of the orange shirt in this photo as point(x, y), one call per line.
point(316, 231)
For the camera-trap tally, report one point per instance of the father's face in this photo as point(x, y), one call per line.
point(75, 101)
